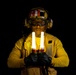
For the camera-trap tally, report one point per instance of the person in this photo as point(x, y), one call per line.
point(26, 52)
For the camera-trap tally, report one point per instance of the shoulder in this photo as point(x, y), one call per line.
point(22, 39)
point(50, 36)
point(19, 42)
point(53, 37)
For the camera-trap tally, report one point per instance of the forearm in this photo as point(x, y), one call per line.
point(15, 62)
point(62, 61)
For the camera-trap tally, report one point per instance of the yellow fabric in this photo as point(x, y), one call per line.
point(56, 49)
point(38, 44)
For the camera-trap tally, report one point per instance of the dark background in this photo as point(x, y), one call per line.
point(12, 21)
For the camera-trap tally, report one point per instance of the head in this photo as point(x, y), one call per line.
point(38, 20)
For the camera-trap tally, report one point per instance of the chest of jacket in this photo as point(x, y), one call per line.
point(49, 46)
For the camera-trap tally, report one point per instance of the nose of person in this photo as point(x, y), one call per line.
point(38, 26)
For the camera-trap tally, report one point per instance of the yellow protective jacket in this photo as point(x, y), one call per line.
point(53, 47)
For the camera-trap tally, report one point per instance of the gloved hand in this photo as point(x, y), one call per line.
point(31, 60)
point(44, 59)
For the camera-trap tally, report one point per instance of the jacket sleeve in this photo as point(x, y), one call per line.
point(14, 60)
point(61, 59)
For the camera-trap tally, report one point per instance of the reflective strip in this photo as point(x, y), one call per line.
point(32, 13)
point(36, 13)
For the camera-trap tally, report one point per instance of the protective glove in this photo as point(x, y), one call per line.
point(31, 60)
point(44, 59)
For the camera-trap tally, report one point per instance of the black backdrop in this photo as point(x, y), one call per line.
point(12, 21)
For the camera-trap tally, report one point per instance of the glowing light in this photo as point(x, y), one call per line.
point(42, 41)
point(33, 41)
